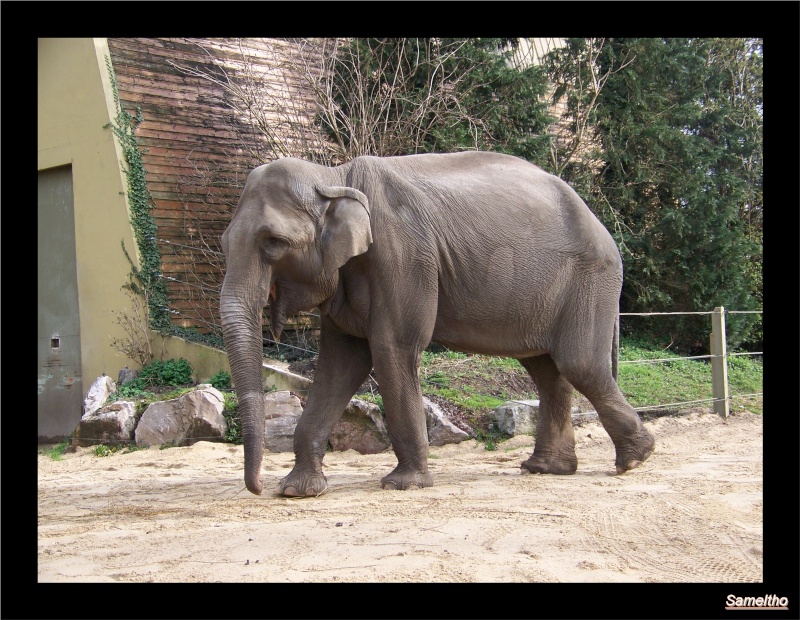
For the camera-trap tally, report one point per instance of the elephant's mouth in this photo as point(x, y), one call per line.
point(286, 298)
point(277, 312)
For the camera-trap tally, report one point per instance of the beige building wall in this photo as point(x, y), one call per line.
point(75, 102)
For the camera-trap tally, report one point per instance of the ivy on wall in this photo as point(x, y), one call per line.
point(148, 275)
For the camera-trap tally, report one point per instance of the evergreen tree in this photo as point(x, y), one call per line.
point(678, 178)
point(665, 145)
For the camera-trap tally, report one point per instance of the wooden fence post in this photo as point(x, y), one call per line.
point(719, 363)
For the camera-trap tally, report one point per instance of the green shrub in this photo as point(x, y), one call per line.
point(135, 388)
point(231, 415)
point(221, 380)
point(170, 372)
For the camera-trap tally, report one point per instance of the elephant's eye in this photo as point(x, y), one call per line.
point(274, 248)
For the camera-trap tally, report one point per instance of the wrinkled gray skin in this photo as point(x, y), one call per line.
point(481, 252)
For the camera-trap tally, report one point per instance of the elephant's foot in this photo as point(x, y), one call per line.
point(302, 484)
point(561, 465)
point(403, 479)
point(633, 452)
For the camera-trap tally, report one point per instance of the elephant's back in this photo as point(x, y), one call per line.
point(453, 171)
point(478, 184)
point(507, 195)
point(477, 198)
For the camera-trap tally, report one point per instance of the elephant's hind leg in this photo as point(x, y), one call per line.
point(554, 449)
point(633, 442)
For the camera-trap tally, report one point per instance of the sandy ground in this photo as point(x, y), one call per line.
point(692, 513)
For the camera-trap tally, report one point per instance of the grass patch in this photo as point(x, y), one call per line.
point(746, 376)
point(490, 437)
point(56, 453)
point(465, 398)
point(375, 399)
point(478, 384)
point(104, 450)
point(121, 448)
point(475, 383)
point(647, 384)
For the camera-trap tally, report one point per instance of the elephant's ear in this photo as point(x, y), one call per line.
point(346, 230)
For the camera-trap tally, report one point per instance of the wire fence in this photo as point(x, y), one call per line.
point(721, 392)
point(722, 397)
point(720, 400)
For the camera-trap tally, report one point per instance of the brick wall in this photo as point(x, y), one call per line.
point(200, 149)
point(202, 101)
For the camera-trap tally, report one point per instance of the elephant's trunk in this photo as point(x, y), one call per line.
point(241, 330)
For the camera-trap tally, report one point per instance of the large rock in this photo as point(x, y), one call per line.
point(281, 412)
point(195, 416)
point(441, 431)
point(517, 417)
point(98, 394)
point(126, 375)
point(112, 424)
point(361, 428)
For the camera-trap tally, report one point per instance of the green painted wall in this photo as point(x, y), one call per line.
point(74, 104)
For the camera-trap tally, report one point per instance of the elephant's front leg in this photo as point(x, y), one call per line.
point(398, 376)
point(343, 364)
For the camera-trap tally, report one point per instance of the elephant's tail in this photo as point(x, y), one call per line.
point(615, 350)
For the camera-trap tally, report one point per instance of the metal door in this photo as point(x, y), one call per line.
point(59, 350)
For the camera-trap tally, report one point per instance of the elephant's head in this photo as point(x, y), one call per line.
point(295, 225)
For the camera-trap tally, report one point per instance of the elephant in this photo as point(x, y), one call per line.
point(479, 251)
